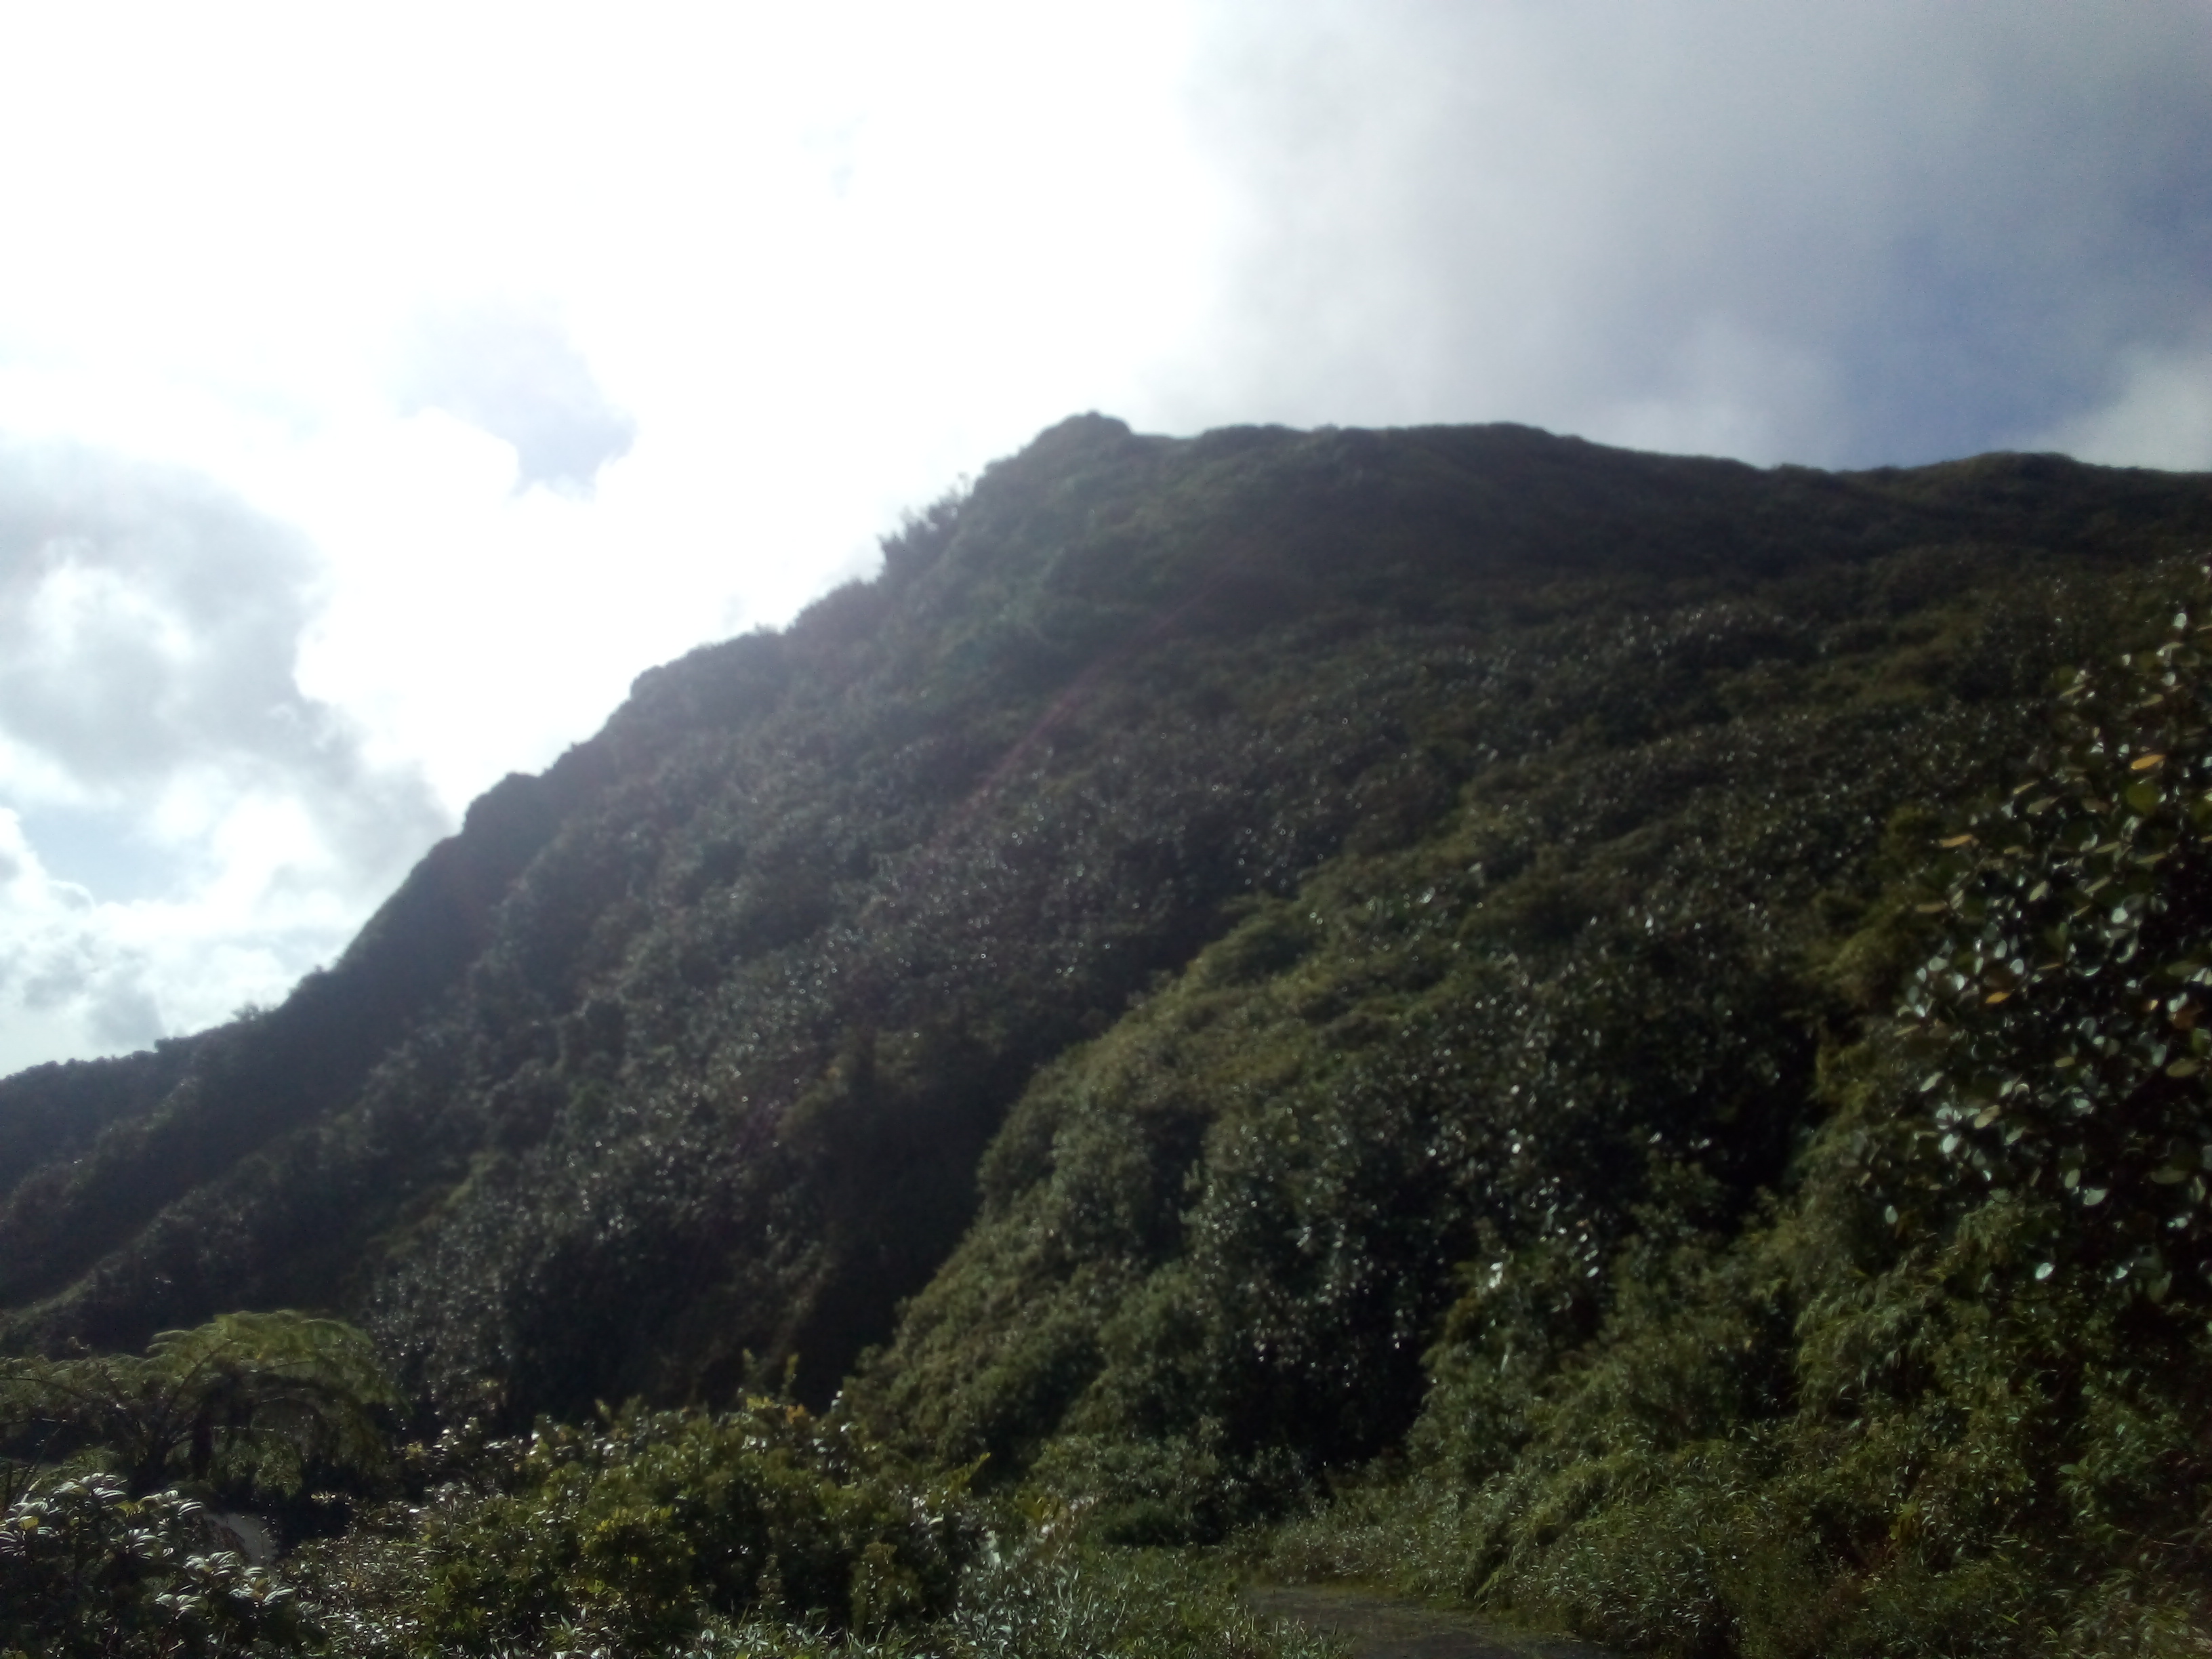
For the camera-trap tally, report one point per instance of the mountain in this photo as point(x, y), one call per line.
point(1092, 990)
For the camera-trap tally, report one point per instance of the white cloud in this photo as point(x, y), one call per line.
point(2161, 416)
point(512, 370)
point(1725, 391)
point(1884, 232)
point(183, 828)
point(80, 975)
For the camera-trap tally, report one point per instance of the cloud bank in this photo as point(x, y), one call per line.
point(181, 829)
point(1849, 235)
point(512, 371)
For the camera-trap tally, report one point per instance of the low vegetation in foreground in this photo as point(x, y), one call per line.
point(761, 1530)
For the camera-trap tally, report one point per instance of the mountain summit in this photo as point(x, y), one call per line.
point(1109, 986)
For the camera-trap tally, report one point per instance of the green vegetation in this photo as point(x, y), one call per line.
point(1551, 1027)
point(250, 1401)
point(639, 1531)
point(89, 1573)
point(1950, 1394)
point(764, 1529)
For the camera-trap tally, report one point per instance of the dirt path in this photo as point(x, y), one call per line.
point(1379, 1627)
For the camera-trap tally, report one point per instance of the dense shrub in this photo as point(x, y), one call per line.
point(1949, 1395)
point(89, 1572)
point(638, 1531)
point(2065, 1012)
point(1217, 1241)
point(248, 1403)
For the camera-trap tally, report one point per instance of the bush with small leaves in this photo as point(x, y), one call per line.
point(88, 1569)
point(639, 1531)
point(2066, 1015)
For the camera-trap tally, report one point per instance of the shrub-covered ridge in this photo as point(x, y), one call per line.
point(1239, 962)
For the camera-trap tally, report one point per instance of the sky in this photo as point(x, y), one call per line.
point(383, 389)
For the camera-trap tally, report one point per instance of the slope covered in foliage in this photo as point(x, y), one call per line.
point(1216, 1241)
point(1946, 1393)
point(1213, 918)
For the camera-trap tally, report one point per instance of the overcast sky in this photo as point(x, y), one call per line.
point(383, 388)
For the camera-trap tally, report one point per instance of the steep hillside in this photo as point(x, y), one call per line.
point(1245, 877)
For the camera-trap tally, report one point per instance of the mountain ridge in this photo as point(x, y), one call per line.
point(680, 1059)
